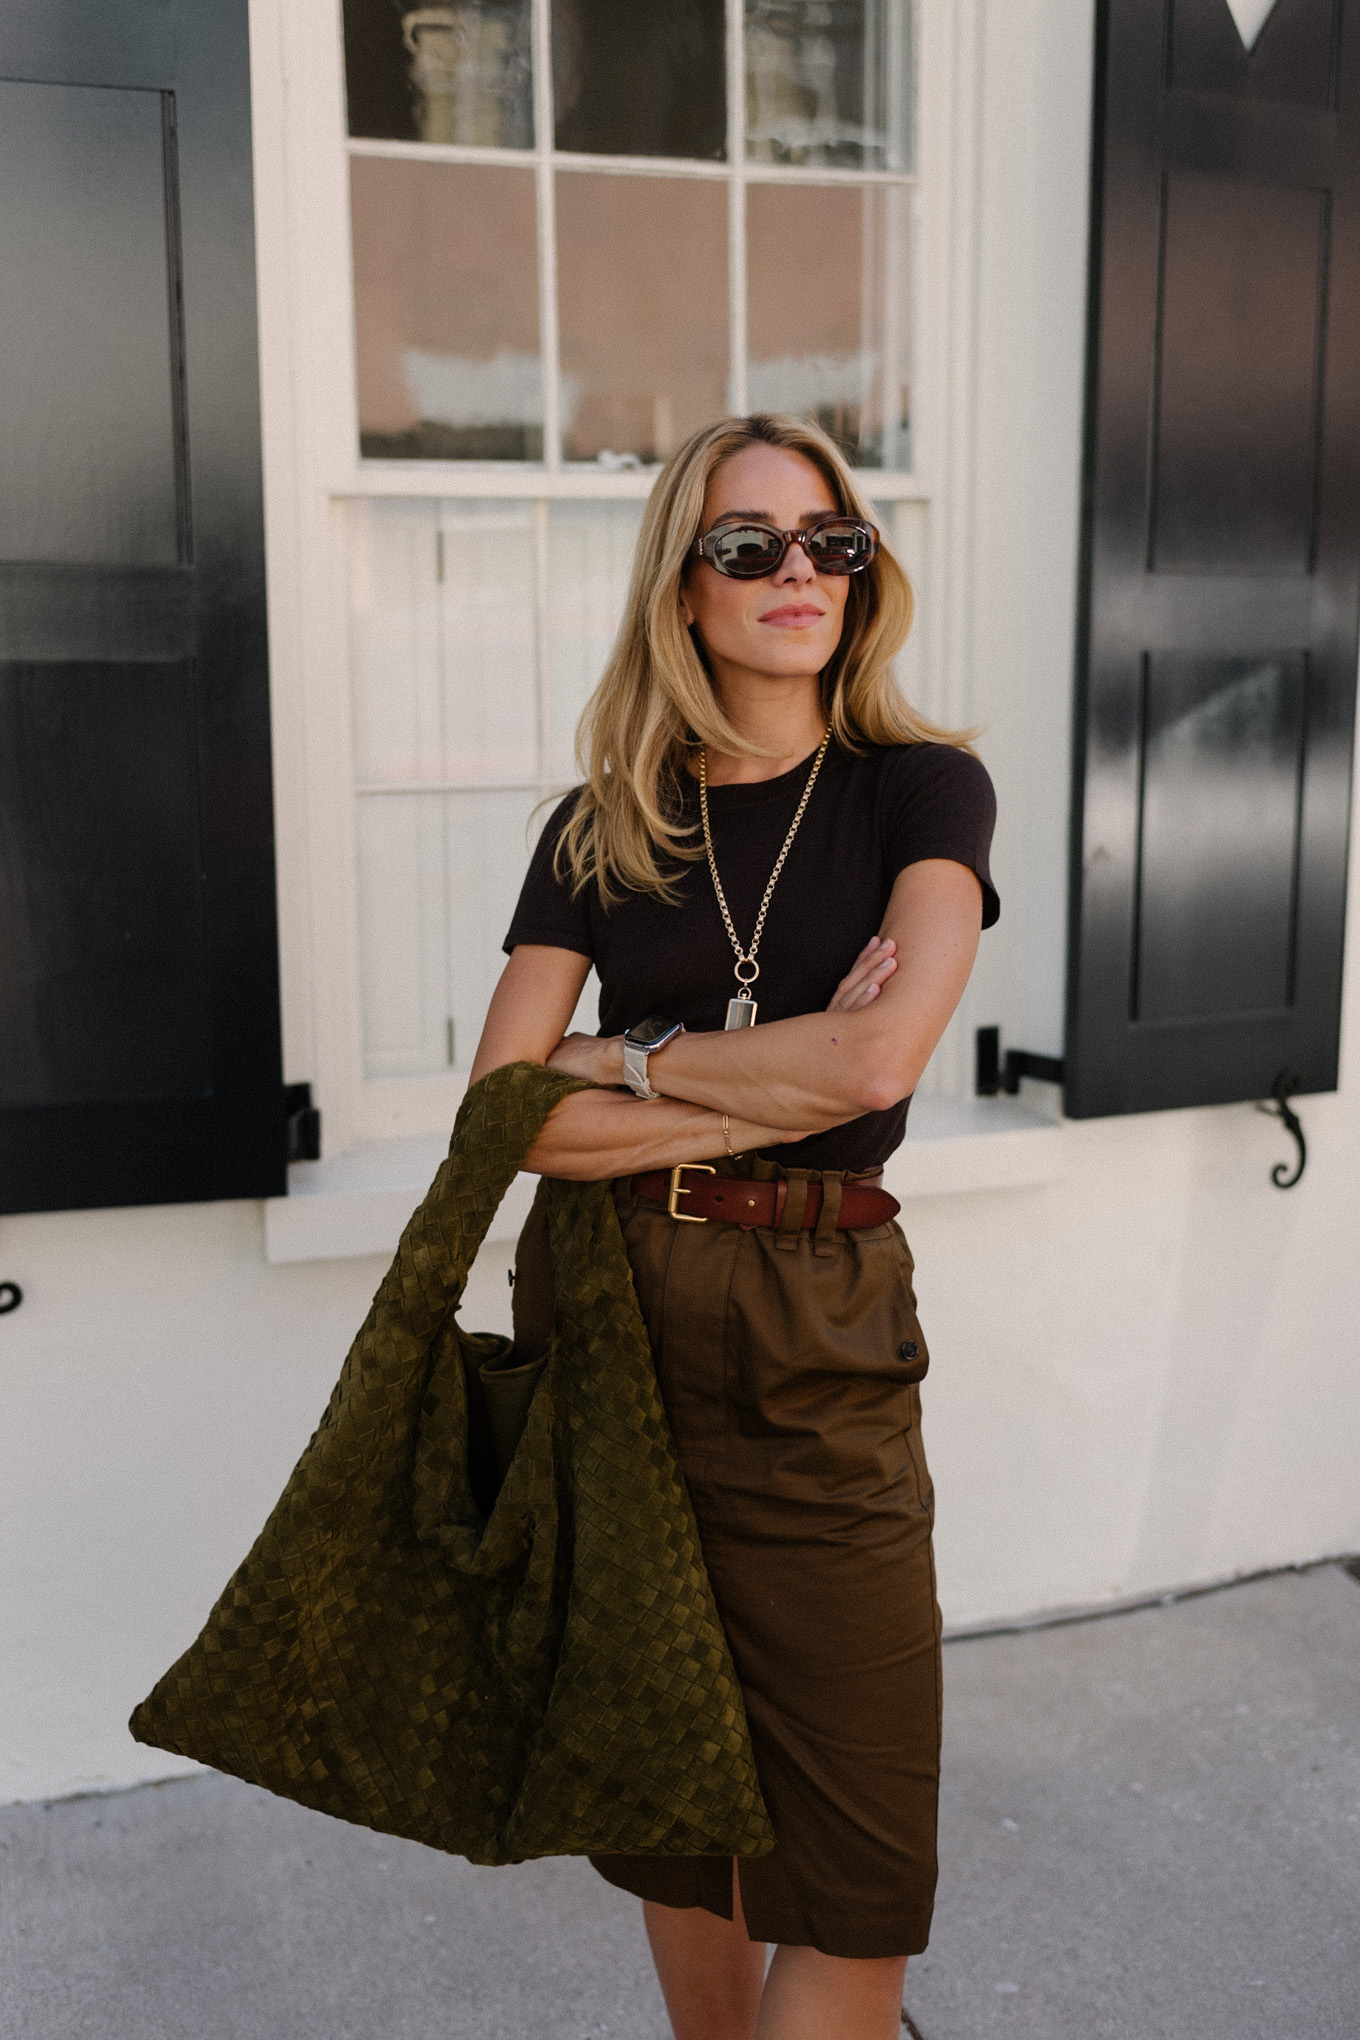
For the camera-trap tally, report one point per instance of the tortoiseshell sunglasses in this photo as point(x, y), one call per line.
point(748, 552)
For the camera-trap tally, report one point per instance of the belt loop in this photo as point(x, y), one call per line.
point(823, 1239)
point(791, 1217)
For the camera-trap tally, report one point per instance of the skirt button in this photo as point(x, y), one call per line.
point(908, 1349)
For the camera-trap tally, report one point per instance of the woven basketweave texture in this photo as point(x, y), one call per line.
point(553, 1680)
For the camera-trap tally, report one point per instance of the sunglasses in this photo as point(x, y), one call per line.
point(748, 552)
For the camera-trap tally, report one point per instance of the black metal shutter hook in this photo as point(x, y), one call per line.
point(1280, 1109)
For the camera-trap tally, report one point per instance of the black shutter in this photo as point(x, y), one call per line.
point(139, 1031)
point(1221, 572)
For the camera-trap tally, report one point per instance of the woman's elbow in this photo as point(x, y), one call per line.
point(882, 1090)
point(884, 1077)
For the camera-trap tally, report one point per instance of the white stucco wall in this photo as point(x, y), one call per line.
point(1145, 1373)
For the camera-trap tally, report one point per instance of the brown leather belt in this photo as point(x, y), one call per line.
point(732, 1200)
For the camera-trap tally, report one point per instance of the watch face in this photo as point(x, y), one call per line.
point(653, 1029)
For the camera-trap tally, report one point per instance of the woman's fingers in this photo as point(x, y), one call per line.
point(862, 998)
point(871, 969)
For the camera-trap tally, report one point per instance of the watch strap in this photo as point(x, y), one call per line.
point(635, 1070)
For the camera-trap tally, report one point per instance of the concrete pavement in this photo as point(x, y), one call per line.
point(1150, 1830)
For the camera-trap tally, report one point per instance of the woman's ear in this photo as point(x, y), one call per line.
point(686, 613)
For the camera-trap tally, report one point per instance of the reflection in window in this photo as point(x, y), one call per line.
point(838, 354)
point(640, 78)
point(829, 82)
point(446, 311)
point(642, 283)
point(458, 71)
point(449, 260)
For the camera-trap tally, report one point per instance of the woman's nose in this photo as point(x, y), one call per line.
point(796, 566)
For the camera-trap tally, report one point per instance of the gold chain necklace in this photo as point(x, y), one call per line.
point(741, 1011)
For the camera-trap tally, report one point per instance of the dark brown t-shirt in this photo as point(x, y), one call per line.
point(871, 814)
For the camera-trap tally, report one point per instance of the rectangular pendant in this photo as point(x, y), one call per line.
point(740, 1013)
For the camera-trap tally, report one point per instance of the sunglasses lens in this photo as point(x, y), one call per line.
point(841, 546)
point(746, 551)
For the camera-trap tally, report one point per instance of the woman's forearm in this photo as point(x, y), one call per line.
point(812, 1072)
point(595, 1134)
point(864, 1054)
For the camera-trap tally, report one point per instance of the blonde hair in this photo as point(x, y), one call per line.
point(656, 704)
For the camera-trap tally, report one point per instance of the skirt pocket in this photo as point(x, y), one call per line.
point(823, 1352)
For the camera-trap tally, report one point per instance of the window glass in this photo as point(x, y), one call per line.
point(642, 307)
point(446, 310)
point(829, 82)
point(459, 71)
point(640, 78)
point(838, 354)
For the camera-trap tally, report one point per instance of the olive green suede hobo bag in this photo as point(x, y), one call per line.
point(547, 1677)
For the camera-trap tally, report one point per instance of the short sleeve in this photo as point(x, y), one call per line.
point(546, 912)
point(938, 802)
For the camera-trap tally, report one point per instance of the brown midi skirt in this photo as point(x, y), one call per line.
point(788, 1364)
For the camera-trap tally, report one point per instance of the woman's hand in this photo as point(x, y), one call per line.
point(599, 1059)
point(866, 977)
point(867, 1051)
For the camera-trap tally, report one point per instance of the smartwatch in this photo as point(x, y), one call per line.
point(641, 1041)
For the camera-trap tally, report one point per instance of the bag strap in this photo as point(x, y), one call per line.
point(498, 1122)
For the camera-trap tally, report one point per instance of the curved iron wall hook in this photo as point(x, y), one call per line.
point(1280, 1109)
point(11, 1296)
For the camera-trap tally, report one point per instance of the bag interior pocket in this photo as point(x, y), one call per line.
point(500, 1388)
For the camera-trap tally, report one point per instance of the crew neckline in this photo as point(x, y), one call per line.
point(754, 792)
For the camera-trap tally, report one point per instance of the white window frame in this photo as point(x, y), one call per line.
point(313, 468)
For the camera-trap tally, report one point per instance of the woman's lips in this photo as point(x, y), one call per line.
point(793, 614)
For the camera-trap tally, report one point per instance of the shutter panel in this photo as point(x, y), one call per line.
point(1221, 569)
point(139, 1030)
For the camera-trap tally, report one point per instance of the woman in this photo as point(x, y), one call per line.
point(766, 825)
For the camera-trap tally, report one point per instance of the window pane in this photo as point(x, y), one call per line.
point(642, 304)
point(839, 354)
point(830, 81)
point(446, 311)
point(639, 78)
point(590, 556)
point(457, 72)
point(444, 670)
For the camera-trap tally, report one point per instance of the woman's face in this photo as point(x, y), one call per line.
point(789, 624)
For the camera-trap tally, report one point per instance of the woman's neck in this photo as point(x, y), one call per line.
point(786, 719)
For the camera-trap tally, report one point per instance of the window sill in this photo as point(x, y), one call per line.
point(357, 1202)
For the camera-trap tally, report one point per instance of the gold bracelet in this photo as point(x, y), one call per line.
point(727, 1139)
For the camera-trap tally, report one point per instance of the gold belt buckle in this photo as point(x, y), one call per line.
point(678, 1190)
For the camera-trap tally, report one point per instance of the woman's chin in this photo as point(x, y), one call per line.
point(796, 656)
